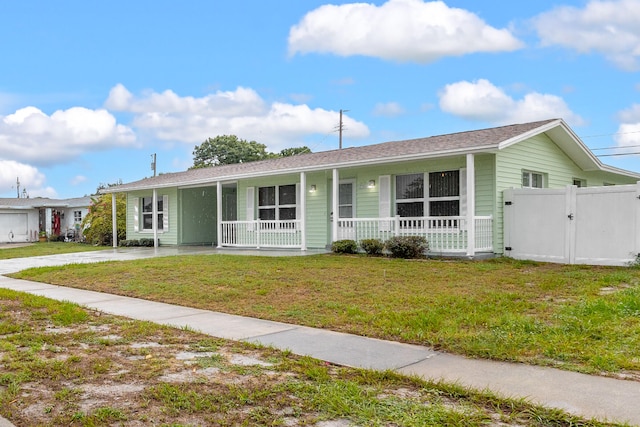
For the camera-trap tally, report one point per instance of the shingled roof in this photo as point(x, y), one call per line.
point(484, 140)
point(43, 202)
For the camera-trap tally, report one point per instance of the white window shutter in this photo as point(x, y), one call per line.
point(298, 213)
point(165, 213)
point(463, 196)
point(384, 201)
point(463, 192)
point(136, 214)
point(251, 200)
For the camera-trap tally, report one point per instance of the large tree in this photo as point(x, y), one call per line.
point(226, 150)
point(229, 149)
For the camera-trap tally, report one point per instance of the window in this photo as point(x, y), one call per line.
point(410, 195)
point(579, 182)
point(147, 213)
point(345, 200)
point(277, 203)
point(444, 193)
point(442, 199)
point(77, 216)
point(532, 180)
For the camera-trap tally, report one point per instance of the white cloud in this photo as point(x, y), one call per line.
point(78, 179)
point(388, 109)
point(399, 30)
point(607, 27)
point(483, 101)
point(242, 112)
point(30, 178)
point(33, 136)
point(629, 129)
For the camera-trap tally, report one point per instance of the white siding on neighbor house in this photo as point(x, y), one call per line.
point(18, 225)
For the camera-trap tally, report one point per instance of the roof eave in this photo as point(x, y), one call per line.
point(328, 166)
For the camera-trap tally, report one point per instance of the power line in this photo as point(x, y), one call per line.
point(609, 134)
point(618, 154)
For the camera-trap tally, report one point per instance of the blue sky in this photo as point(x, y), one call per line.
point(89, 90)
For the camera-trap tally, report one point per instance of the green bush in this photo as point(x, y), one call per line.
point(146, 242)
point(372, 246)
point(344, 246)
point(407, 246)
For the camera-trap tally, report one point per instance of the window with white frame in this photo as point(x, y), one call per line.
point(579, 182)
point(410, 195)
point(147, 213)
point(277, 203)
point(441, 199)
point(77, 216)
point(532, 179)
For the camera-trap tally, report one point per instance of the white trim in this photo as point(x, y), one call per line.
point(301, 213)
point(219, 212)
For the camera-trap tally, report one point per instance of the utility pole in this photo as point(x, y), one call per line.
point(153, 163)
point(340, 127)
point(18, 186)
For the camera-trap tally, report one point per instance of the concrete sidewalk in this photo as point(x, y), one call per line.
point(579, 394)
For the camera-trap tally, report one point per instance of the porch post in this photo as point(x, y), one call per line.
point(471, 205)
point(334, 205)
point(303, 211)
point(114, 220)
point(154, 218)
point(219, 212)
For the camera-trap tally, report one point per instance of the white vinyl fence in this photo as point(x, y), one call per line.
point(592, 225)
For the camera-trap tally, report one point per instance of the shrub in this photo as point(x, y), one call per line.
point(129, 243)
point(344, 246)
point(407, 246)
point(146, 242)
point(372, 246)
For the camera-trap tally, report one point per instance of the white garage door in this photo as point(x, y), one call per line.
point(15, 223)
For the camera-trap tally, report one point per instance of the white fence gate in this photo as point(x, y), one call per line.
point(592, 225)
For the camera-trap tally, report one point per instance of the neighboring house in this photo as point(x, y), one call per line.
point(447, 188)
point(21, 220)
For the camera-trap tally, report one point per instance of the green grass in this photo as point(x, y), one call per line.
point(57, 376)
point(502, 309)
point(45, 248)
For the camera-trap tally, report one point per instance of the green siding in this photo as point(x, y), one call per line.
point(198, 216)
point(166, 237)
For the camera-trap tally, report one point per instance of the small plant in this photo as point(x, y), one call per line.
point(146, 242)
point(407, 247)
point(372, 247)
point(344, 246)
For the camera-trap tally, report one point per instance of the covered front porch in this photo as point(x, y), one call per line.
point(463, 234)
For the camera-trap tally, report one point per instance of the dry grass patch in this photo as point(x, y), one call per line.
point(545, 314)
point(64, 365)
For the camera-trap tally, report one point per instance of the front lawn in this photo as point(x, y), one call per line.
point(573, 317)
point(45, 248)
point(63, 365)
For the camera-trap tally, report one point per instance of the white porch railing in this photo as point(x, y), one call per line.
point(262, 234)
point(444, 234)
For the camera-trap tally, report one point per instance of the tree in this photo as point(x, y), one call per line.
point(98, 224)
point(229, 149)
point(226, 150)
point(294, 151)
